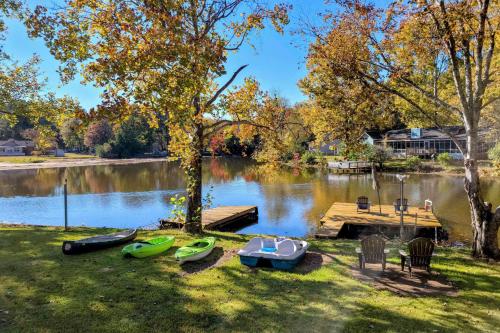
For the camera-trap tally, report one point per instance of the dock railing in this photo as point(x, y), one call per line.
point(348, 166)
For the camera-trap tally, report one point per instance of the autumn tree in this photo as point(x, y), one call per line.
point(131, 137)
point(72, 133)
point(20, 83)
point(98, 132)
point(273, 120)
point(165, 56)
point(436, 58)
point(340, 109)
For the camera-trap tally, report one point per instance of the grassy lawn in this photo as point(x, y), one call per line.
point(41, 159)
point(41, 290)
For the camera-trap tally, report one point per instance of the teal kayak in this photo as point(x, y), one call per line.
point(195, 250)
point(149, 248)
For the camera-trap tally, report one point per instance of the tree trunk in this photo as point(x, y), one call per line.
point(193, 175)
point(485, 224)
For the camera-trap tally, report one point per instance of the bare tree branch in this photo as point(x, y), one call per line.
point(224, 87)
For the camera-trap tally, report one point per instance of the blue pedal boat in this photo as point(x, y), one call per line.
point(279, 253)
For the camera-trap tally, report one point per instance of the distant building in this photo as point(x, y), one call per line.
point(371, 137)
point(425, 142)
point(13, 147)
point(329, 148)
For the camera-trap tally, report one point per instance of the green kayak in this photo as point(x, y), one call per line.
point(148, 248)
point(195, 250)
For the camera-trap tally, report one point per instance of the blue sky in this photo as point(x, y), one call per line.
point(277, 61)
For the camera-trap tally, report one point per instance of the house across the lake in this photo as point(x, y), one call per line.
point(330, 148)
point(13, 147)
point(424, 142)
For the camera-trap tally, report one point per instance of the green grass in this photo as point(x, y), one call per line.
point(44, 291)
point(41, 159)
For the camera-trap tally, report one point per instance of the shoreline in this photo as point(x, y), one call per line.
point(68, 163)
point(486, 172)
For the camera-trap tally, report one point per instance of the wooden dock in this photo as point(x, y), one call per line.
point(219, 217)
point(342, 215)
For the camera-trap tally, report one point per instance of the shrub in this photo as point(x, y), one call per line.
point(321, 158)
point(413, 162)
point(377, 154)
point(308, 157)
point(494, 155)
point(104, 150)
point(350, 154)
point(444, 159)
point(287, 156)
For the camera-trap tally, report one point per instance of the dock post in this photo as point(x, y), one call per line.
point(65, 204)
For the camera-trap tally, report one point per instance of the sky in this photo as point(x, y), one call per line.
point(276, 61)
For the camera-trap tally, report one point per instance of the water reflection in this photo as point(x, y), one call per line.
point(291, 201)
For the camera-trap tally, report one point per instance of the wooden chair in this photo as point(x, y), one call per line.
point(372, 251)
point(397, 206)
point(363, 204)
point(420, 256)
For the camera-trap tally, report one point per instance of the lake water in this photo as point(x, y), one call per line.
point(290, 202)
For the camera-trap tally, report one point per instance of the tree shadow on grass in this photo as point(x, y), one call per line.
point(378, 318)
point(276, 300)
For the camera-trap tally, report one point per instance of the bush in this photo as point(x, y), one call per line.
point(494, 153)
point(413, 162)
point(104, 150)
point(444, 159)
point(377, 154)
point(287, 156)
point(309, 157)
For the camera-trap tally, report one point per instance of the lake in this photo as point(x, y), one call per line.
point(290, 202)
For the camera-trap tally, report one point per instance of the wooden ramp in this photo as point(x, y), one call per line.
point(342, 214)
point(217, 217)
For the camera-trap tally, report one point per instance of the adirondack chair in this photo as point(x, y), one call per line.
point(397, 206)
point(420, 254)
point(372, 251)
point(362, 204)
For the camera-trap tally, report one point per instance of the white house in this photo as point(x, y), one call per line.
point(13, 147)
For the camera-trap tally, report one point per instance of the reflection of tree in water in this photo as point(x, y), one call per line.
point(218, 170)
point(93, 179)
point(39, 182)
point(126, 178)
point(282, 188)
point(268, 174)
point(222, 170)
